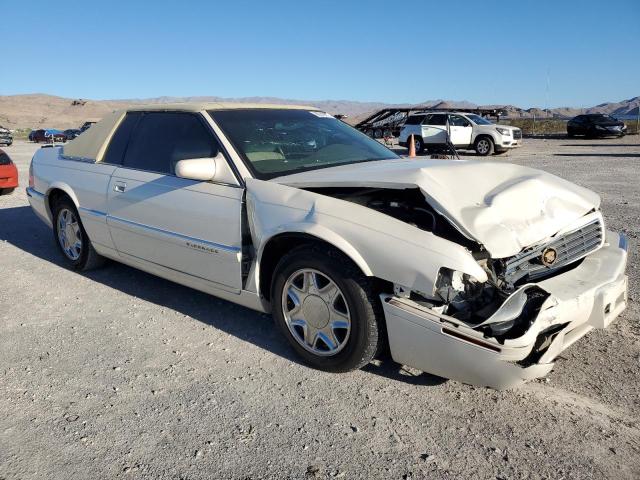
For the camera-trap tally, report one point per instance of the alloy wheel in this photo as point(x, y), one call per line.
point(316, 312)
point(69, 234)
point(483, 146)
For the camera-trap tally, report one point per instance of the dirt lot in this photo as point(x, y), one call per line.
point(118, 374)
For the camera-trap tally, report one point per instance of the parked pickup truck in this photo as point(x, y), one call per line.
point(477, 271)
point(466, 131)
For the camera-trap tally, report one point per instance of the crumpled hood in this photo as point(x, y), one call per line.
point(504, 207)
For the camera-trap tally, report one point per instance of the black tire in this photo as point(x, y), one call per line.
point(366, 338)
point(88, 258)
point(484, 146)
point(6, 191)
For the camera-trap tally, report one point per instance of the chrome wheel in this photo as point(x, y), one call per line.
point(483, 147)
point(69, 234)
point(316, 312)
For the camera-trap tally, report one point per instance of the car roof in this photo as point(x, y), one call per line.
point(92, 144)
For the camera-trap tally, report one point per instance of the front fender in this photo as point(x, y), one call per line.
point(380, 245)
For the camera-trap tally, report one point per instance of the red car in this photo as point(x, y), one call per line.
point(8, 174)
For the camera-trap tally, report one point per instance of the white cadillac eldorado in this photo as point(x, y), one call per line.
point(481, 272)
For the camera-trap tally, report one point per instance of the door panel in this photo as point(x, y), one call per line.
point(460, 131)
point(189, 226)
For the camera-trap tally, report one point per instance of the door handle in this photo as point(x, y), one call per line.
point(120, 187)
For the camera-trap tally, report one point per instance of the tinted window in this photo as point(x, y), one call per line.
point(118, 144)
point(414, 120)
point(161, 139)
point(4, 159)
point(458, 121)
point(437, 119)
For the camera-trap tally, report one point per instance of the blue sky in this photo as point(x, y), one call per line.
point(527, 53)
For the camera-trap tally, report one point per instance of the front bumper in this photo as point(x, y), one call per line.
point(589, 296)
point(509, 142)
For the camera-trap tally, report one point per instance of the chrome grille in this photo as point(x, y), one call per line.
point(569, 247)
point(517, 134)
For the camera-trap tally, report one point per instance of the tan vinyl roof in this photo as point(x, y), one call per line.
point(92, 143)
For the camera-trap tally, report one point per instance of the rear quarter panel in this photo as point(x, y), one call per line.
point(84, 182)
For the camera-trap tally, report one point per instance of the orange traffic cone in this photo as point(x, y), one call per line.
point(412, 147)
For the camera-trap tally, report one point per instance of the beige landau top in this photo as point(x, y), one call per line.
point(92, 144)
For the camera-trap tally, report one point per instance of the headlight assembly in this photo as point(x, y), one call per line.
point(503, 131)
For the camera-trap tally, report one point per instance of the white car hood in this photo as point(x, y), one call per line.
point(504, 207)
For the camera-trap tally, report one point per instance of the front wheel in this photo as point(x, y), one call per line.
point(71, 237)
point(484, 146)
point(327, 309)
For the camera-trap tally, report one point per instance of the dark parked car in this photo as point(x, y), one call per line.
point(5, 137)
point(595, 125)
point(72, 133)
point(47, 136)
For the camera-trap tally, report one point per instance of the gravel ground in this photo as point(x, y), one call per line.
point(119, 374)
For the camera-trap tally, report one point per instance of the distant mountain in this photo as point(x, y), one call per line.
point(48, 111)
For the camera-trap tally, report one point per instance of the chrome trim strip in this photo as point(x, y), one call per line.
point(76, 159)
point(94, 213)
point(179, 236)
point(34, 193)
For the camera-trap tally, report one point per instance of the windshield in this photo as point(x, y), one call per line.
point(478, 120)
point(277, 142)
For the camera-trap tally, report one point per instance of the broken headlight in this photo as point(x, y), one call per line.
point(465, 297)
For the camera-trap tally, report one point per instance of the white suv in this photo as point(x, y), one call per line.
point(465, 131)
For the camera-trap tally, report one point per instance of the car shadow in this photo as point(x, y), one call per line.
point(21, 228)
point(588, 154)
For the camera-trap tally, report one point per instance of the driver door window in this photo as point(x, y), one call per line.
point(161, 139)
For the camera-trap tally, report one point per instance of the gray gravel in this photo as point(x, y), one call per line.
point(118, 374)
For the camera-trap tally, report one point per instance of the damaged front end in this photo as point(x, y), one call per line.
point(499, 334)
point(509, 326)
point(488, 288)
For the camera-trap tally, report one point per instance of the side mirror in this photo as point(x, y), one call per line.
point(202, 169)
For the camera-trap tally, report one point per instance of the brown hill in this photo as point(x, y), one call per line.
point(48, 111)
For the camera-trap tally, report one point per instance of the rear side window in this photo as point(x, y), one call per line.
point(161, 139)
point(118, 144)
point(437, 119)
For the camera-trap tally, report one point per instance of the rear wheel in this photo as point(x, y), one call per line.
point(326, 308)
point(71, 237)
point(484, 146)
